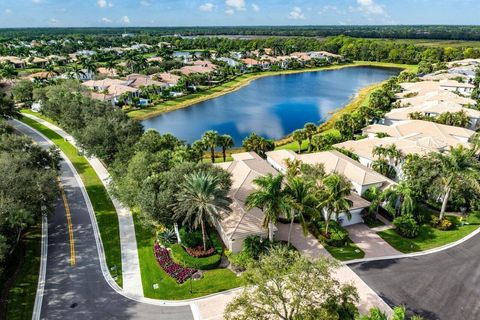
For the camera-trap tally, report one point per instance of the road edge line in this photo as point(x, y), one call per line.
point(37, 307)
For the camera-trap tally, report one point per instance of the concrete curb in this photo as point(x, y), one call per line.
point(420, 253)
point(37, 307)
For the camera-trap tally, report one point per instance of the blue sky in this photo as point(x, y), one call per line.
point(88, 13)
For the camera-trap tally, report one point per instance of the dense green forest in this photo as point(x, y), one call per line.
point(438, 32)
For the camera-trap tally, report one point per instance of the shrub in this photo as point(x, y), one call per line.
point(192, 239)
point(181, 257)
point(443, 224)
point(240, 260)
point(215, 240)
point(406, 226)
point(167, 237)
point(338, 236)
point(254, 246)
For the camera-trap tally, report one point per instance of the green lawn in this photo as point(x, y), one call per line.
point(105, 212)
point(349, 252)
point(213, 280)
point(21, 297)
point(431, 237)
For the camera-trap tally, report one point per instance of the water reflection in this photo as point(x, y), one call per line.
point(273, 106)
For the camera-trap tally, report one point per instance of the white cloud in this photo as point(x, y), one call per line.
point(296, 14)
point(369, 7)
point(8, 11)
point(104, 4)
point(125, 19)
point(106, 20)
point(53, 21)
point(207, 7)
point(145, 3)
point(230, 11)
point(235, 4)
point(37, 1)
point(255, 7)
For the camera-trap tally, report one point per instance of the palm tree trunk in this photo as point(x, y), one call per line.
point(446, 196)
point(177, 233)
point(224, 154)
point(204, 236)
point(212, 154)
point(309, 143)
point(270, 231)
point(327, 223)
point(291, 227)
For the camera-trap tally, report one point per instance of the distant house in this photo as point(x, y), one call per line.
point(40, 75)
point(85, 53)
point(111, 89)
point(427, 128)
point(241, 222)
point(229, 61)
point(250, 63)
point(139, 80)
point(37, 61)
point(102, 71)
point(468, 71)
point(167, 77)
point(16, 62)
point(432, 109)
point(455, 86)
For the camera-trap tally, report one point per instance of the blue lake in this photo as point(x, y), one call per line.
point(273, 106)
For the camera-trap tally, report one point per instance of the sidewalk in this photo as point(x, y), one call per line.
point(132, 280)
point(310, 246)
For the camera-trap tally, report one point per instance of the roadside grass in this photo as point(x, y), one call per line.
point(349, 252)
point(213, 281)
point(105, 212)
point(430, 237)
point(21, 296)
point(240, 82)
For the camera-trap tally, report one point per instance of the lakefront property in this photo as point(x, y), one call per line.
point(239, 172)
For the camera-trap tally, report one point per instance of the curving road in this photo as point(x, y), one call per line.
point(443, 285)
point(81, 291)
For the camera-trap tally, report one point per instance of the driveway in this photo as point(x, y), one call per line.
point(443, 285)
point(80, 291)
point(370, 242)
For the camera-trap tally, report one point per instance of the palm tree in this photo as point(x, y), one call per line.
point(303, 201)
point(459, 166)
point(76, 71)
point(294, 167)
point(210, 141)
point(50, 69)
point(201, 201)
point(384, 168)
point(7, 71)
point(310, 129)
point(299, 135)
point(399, 198)
point(226, 142)
point(335, 189)
point(110, 65)
point(272, 199)
point(89, 66)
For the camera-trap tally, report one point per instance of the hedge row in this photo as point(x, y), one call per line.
point(181, 257)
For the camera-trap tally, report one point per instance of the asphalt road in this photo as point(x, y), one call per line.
point(80, 291)
point(443, 285)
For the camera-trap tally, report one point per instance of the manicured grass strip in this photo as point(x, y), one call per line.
point(349, 252)
point(105, 212)
point(430, 237)
point(21, 296)
point(240, 82)
point(213, 280)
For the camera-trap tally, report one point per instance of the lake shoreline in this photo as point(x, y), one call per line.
point(242, 81)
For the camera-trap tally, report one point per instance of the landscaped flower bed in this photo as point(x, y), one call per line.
point(198, 252)
point(176, 271)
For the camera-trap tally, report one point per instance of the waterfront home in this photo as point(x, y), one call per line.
point(443, 75)
point(361, 177)
point(432, 109)
point(428, 128)
point(241, 222)
point(167, 77)
point(436, 96)
point(138, 81)
point(101, 85)
point(455, 86)
point(468, 71)
point(111, 89)
point(464, 62)
point(250, 63)
point(324, 55)
point(415, 143)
